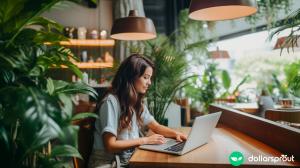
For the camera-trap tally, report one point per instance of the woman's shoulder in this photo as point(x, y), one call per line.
point(111, 97)
point(109, 100)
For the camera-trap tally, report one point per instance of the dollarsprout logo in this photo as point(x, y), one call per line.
point(236, 158)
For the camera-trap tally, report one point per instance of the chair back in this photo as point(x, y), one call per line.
point(85, 135)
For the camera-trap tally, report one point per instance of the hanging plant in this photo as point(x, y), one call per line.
point(269, 10)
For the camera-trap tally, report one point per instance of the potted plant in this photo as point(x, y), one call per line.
point(35, 110)
point(203, 88)
point(169, 75)
point(228, 95)
point(169, 56)
point(291, 22)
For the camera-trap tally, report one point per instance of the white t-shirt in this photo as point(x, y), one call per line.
point(108, 121)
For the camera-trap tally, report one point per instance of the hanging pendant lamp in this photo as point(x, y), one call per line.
point(219, 54)
point(133, 27)
point(213, 10)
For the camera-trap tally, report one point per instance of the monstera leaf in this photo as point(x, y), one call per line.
point(35, 110)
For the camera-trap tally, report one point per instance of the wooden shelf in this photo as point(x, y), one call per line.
point(89, 42)
point(92, 65)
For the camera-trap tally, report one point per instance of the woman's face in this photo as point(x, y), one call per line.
point(142, 83)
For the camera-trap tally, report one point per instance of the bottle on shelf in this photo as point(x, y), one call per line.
point(103, 34)
point(84, 56)
point(81, 33)
point(108, 57)
point(94, 34)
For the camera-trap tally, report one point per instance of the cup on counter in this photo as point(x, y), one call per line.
point(286, 103)
point(81, 33)
point(94, 34)
point(103, 34)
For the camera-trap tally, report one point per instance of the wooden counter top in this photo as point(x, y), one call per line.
point(223, 142)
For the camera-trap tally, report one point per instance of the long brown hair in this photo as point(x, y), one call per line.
point(130, 101)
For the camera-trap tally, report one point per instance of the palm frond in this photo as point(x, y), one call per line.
point(291, 22)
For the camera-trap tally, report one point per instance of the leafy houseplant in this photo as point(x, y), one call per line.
point(204, 92)
point(168, 78)
point(169, 56)
point(291, 22)
point(34, 109)
point(226, 81)
point(289, 84)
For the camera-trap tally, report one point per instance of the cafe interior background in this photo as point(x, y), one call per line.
point(242, 63)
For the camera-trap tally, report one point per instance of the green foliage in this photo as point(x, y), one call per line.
point(281, 86)
point(291, 22)
point(294, 85)
point(204, 88)
point(292, 71)
point(269, 10)
point(289, 85)
point(214, 83)
point(84, 115)
point(189, 37)
point(168, 78)
point(169, 56)
point(293, 78)
point(226, 81)
point(209, 86)
point(34, 109)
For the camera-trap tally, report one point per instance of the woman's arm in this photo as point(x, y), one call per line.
point(167, 132)
point(112, 145)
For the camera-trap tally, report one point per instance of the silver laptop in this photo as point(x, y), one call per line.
point(199, 135)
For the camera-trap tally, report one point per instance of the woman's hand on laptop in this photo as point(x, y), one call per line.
point(180, 137)
point(154, 139)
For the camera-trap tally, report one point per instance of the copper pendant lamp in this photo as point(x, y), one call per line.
point(133, 27)
point(219, 54)
point(213, 10)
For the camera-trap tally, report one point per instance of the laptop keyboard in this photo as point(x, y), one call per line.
point(176, 148)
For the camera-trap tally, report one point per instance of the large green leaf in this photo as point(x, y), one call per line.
point(226, 79)
point(67, 105)
point(13, 22)
point(4, 139)
point(244, 80)
point(46, 23)
point(73, 88)
point(167, 60)
point(65, 151)
point(50, 86)
point(34, 110)
point(69, 135)
point(84, 115)
point(38, 113)
point(7, 77)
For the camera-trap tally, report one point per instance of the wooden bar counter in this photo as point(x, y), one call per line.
point(216, 152)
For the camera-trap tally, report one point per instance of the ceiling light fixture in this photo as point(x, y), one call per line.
point(213, 10)
point(133, 27)
point(219, 54)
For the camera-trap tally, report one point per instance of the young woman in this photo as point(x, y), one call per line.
point(122, 114)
